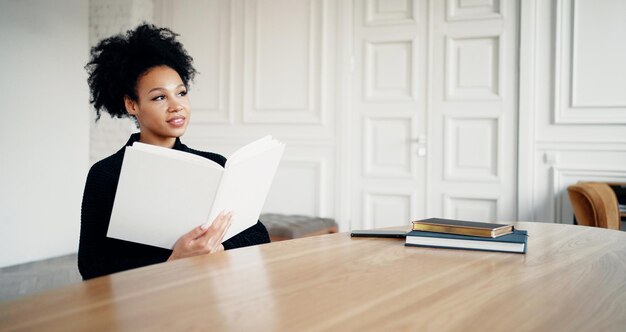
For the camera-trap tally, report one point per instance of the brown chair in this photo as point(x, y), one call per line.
point(594, 204)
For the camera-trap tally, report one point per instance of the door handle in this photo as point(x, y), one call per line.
point(421, 141)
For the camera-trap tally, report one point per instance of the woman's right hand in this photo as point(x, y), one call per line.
point(203, 239)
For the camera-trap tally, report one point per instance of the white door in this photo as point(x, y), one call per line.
point(473, 114)
point(388, 113)
point(434, 117)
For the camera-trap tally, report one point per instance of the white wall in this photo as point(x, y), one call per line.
point(44, 127)
point(107, 18)
point(572, 101)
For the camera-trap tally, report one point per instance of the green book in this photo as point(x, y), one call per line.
point(514, 242)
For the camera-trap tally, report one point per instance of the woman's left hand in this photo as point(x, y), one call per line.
point(203, 240)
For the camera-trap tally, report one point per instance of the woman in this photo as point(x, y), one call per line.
point(144, 75)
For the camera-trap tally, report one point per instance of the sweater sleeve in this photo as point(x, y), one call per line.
point(256, 234)
point(99, 255)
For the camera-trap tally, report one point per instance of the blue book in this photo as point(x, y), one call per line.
point(514, 242)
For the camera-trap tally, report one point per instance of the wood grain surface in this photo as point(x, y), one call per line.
point(572, 278)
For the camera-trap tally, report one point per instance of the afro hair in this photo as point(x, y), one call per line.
point(119, 61)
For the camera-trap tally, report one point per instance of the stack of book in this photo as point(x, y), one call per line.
point(461, 234)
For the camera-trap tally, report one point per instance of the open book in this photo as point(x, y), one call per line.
point(164, 193)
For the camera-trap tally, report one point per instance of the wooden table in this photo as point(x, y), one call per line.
point(572, 278)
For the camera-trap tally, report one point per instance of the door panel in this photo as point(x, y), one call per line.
point(435, 112)
point(473, 115)
point(388, 178)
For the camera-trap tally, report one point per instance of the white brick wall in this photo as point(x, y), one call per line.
point(106, 18)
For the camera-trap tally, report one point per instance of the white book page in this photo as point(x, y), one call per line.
point(171, 153)
point(251, 149)
point(159, 199)
point(244, 188)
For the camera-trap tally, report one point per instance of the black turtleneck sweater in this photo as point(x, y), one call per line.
point(99, 255)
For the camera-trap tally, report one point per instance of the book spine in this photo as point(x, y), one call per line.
point(463, 248)
point(452, 230)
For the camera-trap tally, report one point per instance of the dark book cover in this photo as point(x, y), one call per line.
point(514, 242)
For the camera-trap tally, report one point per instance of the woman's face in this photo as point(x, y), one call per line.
point(162, 108)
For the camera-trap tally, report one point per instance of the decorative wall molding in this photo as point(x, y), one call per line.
point(576, 145)
point(476, 207)
point(307, 197)
point(211, 89)
point(568, 106)
point(386, 208)
point(389, 12)
point(472, 149)
point(287, 87)
point(387, 149)
point(473, 68)
point(390, 70)
point(462, 10)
